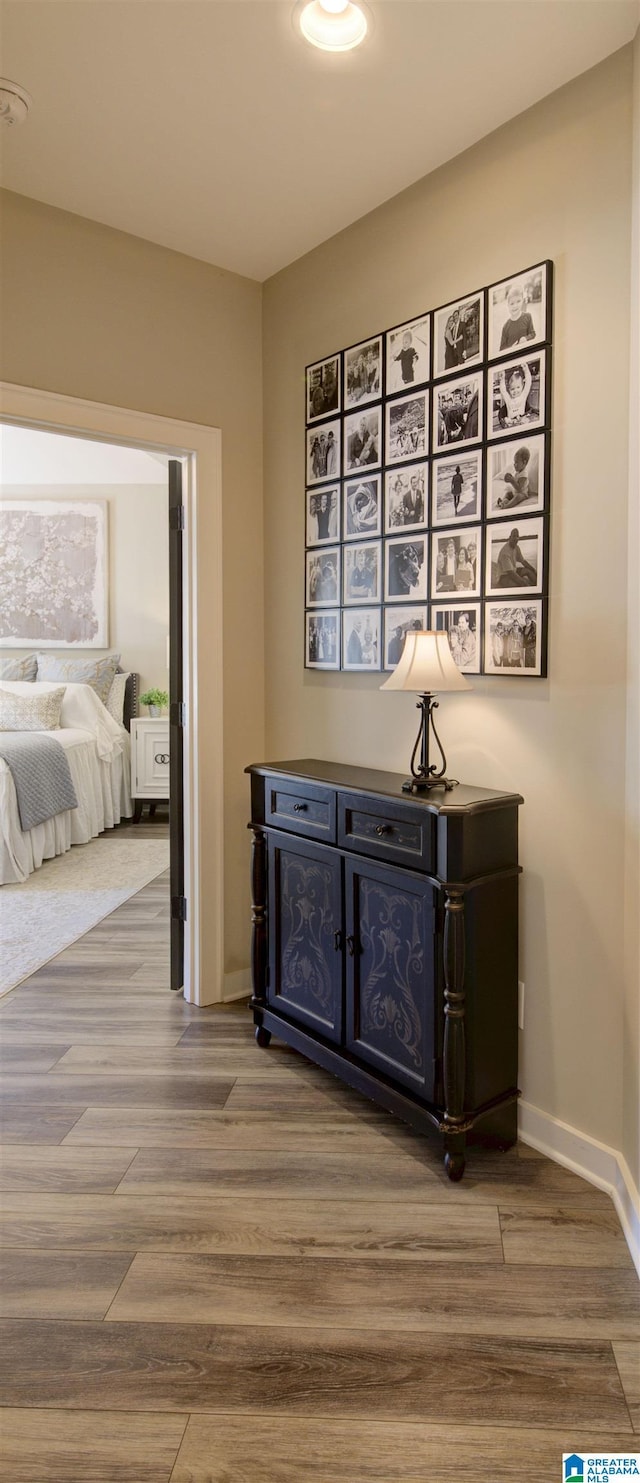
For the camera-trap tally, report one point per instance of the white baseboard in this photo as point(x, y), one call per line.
point(593, 1161)
point(236, 985)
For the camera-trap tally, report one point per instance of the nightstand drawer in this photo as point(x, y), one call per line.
point(302, 808)
point(402, 834)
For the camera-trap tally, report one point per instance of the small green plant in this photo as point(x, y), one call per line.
point(154, 697)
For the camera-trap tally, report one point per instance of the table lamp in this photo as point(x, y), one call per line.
point(426, 665)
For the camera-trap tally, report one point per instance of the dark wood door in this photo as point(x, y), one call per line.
point(306, 940)
point(176, 720)
point(391, 973)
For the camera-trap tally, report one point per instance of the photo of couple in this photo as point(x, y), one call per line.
point(363, 372)
point(406, 498)
point(458, 334)
point(456, 567)
point(361, 639)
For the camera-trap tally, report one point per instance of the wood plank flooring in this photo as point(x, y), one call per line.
point(219, 1265)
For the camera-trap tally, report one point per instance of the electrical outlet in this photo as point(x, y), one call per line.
point(520, 1005)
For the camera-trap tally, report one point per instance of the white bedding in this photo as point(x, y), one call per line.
point(98, 753)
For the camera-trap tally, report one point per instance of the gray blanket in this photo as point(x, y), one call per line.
point(40, 771)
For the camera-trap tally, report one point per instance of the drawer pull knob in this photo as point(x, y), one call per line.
point(337, 941)
point(299, 808)
point(351, 946)
point(382, 829)
point(161, 757)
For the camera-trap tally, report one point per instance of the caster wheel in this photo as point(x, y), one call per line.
point(263, 1037)
point(454, 1164)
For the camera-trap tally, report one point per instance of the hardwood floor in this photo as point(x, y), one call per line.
point(219, 1265)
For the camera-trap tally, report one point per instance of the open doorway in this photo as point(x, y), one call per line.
point(91, 615)
point(197, 450)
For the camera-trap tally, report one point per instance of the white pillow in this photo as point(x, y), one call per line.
point(115, 699)
point(39, 712)
point(19, 669)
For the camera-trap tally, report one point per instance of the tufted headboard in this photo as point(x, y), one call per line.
point(130, 700)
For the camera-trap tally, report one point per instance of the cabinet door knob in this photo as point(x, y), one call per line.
point(382, 829)
point(351, 946)
point(299, 808)
point(337, 941)
point(161, 757)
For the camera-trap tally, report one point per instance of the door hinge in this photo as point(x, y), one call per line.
point(176, 517)
point(178, 713)
point(179, 908)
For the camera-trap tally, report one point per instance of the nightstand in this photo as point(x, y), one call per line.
point(149, 761)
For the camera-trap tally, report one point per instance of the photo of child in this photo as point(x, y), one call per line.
point(516, 476)
point(408, 355)
point(518, 311)
point(517, 395)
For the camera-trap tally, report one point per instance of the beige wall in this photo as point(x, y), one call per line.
point(553, 183)
point(138, 537)
point(98, 314)
point(631, 1064)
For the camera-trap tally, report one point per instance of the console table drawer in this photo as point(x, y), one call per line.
point(402, 835)
point(303, 808)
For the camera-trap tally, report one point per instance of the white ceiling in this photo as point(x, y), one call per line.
point(210, 127)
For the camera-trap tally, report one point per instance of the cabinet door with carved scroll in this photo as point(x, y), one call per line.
point(306, 940)
point(391, 973)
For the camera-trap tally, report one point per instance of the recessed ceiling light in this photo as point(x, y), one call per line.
point(333, 25)
point(15, 102)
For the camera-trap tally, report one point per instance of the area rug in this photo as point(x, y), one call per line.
point(67, 896)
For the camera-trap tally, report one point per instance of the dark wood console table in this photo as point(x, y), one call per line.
point(385, 941)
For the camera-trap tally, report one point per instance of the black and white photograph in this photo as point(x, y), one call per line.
point(517, 395)
point(518, 311)
point(516, 476)
point(323, 388)
point(363, 373)
point(323, 640)
point(362, 507)
point(363, 440)
point(458, 334)
point(362, 565)
point(457, 412)
point(456, 488)
point(515, 554)
point(513, 638)
point(407, 427)
point(405, 577)
point(405, 498)
point(398, 622)
point(323, 578)
point(408, 351)
point(361, 630)
point(323, 452)
point(456, 561)
point(463, 628)
point(323, 515)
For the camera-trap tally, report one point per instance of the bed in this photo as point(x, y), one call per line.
point(97, 749)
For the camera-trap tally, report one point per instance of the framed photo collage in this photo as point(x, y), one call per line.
point(428, 459)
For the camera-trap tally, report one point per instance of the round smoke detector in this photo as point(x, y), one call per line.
point(15, 102)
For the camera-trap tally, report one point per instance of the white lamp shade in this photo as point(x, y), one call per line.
point(426, 665)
